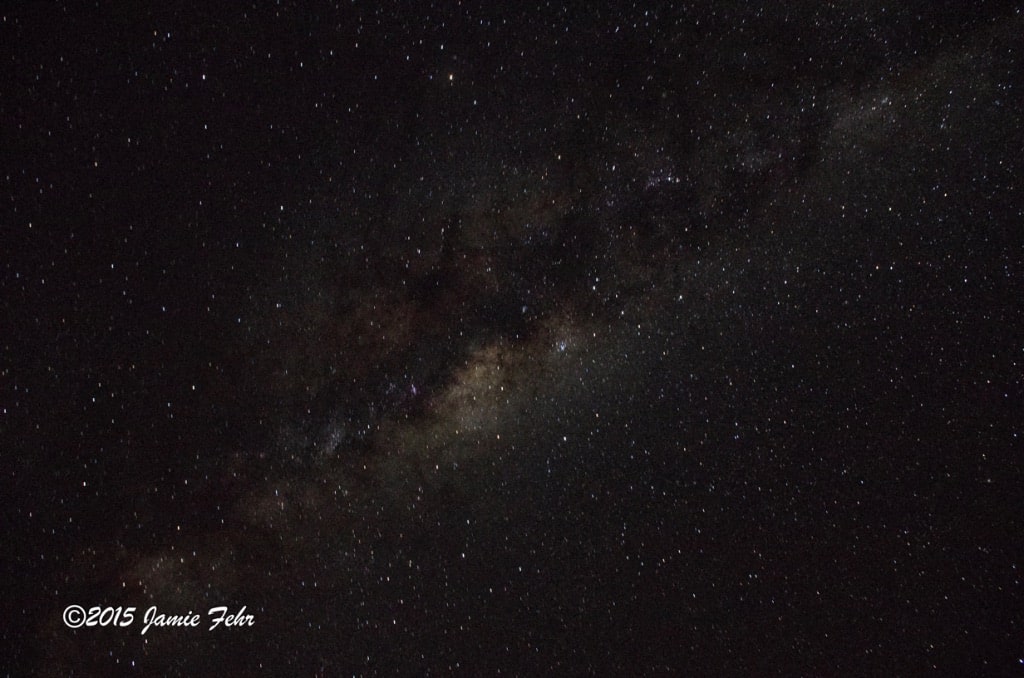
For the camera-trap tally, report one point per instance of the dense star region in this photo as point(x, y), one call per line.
point(418, 338)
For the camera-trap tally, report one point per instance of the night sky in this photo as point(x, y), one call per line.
point(550, 338)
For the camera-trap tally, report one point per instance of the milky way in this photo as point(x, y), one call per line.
point(606, 340)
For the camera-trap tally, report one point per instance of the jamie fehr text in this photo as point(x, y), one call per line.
point(76, 616)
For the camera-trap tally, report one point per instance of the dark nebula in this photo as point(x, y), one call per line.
point(601, 339)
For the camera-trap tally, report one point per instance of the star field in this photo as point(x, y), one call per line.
point(449, 338)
